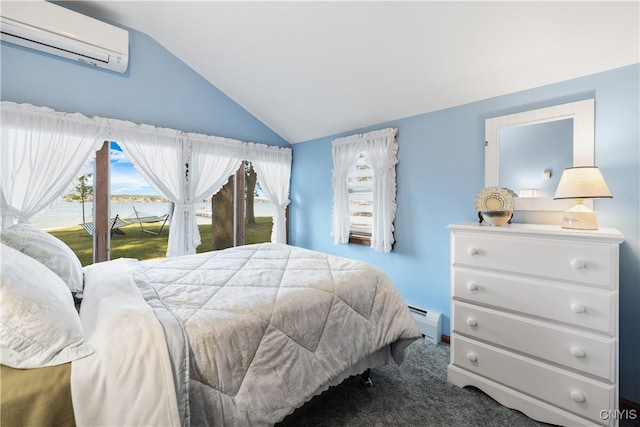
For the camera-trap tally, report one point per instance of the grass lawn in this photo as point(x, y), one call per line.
point(134, 243)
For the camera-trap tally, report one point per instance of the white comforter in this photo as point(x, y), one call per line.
point(268, 326)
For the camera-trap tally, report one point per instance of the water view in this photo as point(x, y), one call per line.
point(67, 214)
point(128, 190)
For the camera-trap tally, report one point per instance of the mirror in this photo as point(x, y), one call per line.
point(533, 157)
point(529, 150)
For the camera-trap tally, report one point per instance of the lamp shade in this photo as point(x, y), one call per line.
point(583, 182)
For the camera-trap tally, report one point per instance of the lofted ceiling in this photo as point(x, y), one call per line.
point(313, 69)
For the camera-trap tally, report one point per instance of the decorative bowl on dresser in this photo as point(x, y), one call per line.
point(534, 319)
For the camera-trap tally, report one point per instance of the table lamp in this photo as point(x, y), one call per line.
point(582, 182)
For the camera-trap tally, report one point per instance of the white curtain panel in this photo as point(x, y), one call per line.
point(380, 149)
point(213, 161)
point(345, 153)
point(41, 153)
point(273, 168)
point(157, 155)
point(189, 167)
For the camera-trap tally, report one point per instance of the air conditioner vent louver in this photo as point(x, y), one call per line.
point(51, 28)
point(429, 323)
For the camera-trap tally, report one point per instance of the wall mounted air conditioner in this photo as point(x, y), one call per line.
point(429, 323)
point(51, 28)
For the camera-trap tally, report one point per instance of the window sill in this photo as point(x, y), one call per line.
point(360, 240)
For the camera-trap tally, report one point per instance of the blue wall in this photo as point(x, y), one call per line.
point(441, 169)
point(157, 89)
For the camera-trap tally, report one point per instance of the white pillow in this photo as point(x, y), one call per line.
point(47, 249)
point(39, 324)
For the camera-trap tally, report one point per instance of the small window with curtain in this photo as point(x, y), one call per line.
point(364, 189)
point(360, 189)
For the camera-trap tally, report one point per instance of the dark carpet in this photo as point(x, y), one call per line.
point(415, 393)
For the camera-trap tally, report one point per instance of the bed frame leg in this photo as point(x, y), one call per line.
point(366, 378)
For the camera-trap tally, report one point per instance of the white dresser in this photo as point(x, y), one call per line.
point(534, 319)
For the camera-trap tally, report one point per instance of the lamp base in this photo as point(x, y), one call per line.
point(579, 217)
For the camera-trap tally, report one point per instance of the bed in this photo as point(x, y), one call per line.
point(241, 336)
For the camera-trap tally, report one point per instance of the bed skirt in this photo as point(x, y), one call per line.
point(36, 397)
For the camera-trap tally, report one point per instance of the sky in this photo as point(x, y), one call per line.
point(124, 178)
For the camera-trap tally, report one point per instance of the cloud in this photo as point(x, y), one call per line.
point(118, 157)
point(126, 180)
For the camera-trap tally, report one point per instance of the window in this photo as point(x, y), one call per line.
point(360, 188)
point(364, 186)
point(240, 215)
point(239, 212)
point(47, 150)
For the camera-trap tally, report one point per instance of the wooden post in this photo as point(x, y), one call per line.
point(101, 234)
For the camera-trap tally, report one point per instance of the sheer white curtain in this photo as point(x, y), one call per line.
point(189, 167)
point(273, 168)
point(345, 154)
point(157, 154)
point(213, 161)
point(380, 149)
point(41, 152)
point(184, 167)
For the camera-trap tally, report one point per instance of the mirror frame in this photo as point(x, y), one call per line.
point(582, 113)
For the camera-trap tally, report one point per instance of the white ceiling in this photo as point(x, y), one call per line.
point(313, 69)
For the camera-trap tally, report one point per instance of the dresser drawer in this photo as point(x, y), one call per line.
point(575, 393)
point(585, 352)
point(586, 263)
point(580, 306)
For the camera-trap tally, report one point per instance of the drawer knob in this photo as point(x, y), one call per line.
point(578, 352)
point(578, 308)
point(472, 322)
point(472, 251)
point(578, 264)
point(577, 396)
point(472, 286)
point(472, 357)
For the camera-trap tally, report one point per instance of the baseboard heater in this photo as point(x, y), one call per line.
point(429, 323)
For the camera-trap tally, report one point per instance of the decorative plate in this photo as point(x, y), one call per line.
point(494, 199)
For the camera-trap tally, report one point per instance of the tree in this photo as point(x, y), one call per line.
point(222, 216)
point(85, 188)
point(222, 207)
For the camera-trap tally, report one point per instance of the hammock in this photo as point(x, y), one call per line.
point(143, 218)
point(115, 224)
